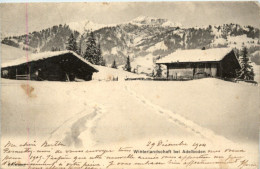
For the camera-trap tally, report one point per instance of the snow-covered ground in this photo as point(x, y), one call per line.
point(256, 69)
point(99, 113)
point(229, 109)
point(110, 74)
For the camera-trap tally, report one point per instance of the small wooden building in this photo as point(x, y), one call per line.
point(51, 66)
point(198, 63)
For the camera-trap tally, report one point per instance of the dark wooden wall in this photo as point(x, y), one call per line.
point(59, 68)
point(229, 65)
point(226, 68)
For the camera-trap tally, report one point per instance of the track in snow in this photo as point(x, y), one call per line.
point(179, 120)
point(71, 129)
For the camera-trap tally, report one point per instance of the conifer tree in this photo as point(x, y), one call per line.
point(128, 65)
point(246, 72)
point(71, 43)
point(99, 59)
point(158, 69)
point(79, 51)
point(103, 62)
point(114, 65)
point(93, 51)
point(152, 74)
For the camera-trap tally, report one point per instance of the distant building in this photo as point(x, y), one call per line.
point(52, 66)
point(197, 63)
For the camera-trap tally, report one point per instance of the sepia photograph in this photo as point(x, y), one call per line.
point(130, 85)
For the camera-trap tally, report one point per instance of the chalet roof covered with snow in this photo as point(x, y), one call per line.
point(196, 55)
point(42, 56)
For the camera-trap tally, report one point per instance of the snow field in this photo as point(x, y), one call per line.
point(96, 113)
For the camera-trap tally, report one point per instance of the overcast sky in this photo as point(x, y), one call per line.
point(43, 15)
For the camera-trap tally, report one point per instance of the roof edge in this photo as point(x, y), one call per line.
point(6, 65)
point(160, 61)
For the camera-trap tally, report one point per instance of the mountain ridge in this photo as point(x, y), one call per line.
point(145, 37)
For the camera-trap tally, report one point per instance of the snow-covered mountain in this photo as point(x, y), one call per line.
point(145, 20)
point(86, 25)
point(146, 41)
point(143, 39)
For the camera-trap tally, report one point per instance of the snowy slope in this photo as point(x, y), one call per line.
point(111, 113)
point(11, 53)
point(92, 114)
point(192, 102)
point(157, 46)
point(256, 69)
point(199, 101)
point(108, 74)
point(241, 41)
point(144, 64)
point(255, 57)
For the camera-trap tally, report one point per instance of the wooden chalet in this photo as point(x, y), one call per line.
point(51, 66)
point(198, 63)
